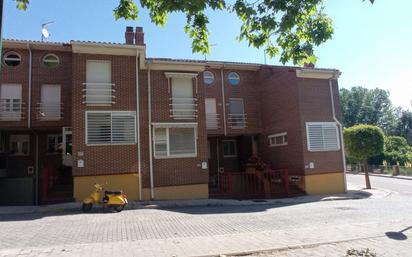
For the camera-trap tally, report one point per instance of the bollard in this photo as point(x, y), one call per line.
point(395, 170)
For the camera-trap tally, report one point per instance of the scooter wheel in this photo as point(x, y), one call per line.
point(118, 208)
point(86, 207)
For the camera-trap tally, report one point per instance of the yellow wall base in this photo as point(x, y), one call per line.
point(199, 191)
point(329, 183)
point(129, 183)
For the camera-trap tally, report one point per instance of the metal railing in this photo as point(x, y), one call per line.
point(98, 93)
point(212, 121)
point(49, 111)
point(11, 109)
point(237, 120)
point(183, 108)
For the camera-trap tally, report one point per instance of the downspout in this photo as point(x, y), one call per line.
point(139, 162)
point(340, 130)
point(149, 103)
point(29, 98)
point(223, 99)
point(37, 171)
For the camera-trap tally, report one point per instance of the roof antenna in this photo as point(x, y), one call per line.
point(211, 45)
point(44, 32)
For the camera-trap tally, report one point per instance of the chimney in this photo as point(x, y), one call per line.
point(129, 36)
point(139, 36)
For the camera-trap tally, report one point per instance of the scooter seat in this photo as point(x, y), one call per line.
point(113, 192)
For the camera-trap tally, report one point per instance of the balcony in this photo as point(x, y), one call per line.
point(49, 111)
point(183, 108)
point(212, 121)
point(11, 109)
point(237, 121)
point(98, 93)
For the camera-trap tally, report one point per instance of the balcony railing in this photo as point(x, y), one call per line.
point(237, 120)
point(98, 93)
point(183, 108)
point(212, 121)
point(11, 109)
point(49, 111)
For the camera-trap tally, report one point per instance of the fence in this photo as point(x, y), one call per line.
point(383, 169)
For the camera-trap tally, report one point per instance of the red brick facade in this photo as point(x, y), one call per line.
point(275, 101)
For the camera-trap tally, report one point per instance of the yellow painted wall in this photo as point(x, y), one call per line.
point(330, 183)
point(129, 183)
point(199, 191)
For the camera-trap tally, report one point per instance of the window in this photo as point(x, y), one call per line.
point(99, 83)
point(183, 103)
point(233, 78)
point(177, 140)
point(51, 61)
point(10, 102)
point(322, 136)
point(50, 105)
point(19, 144)
point(11, 59)
point(278, 139)
point(229, 148)
point(54, 143)
point(208, 77)
point(110, 128)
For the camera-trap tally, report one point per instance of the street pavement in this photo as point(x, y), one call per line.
point(313, 228)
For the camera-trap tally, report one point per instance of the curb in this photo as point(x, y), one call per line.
point(382, 175)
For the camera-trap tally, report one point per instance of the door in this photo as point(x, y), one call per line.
point(10, 103)
point(99, 79)
point(50, 106)
point(67, 146)
point(211, 114)
point(182, 98)
point(237, 117)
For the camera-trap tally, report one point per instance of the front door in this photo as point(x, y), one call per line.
point(211, 114)
point(67, 146)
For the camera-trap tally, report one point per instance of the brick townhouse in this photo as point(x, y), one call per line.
point(75, 113)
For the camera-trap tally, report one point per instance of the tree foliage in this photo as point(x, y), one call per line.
point(363, 142)
point(288, 28)
point(397, 151)
point(360, 105)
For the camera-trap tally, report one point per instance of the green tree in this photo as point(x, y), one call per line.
point(363, 142)
point(368, 106)
point(397, 151)
point(404, 126)
point(289, 28)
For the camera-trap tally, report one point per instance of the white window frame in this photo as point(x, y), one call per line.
point(237, 79)
point(55, 136)
point(210, 75)
point(167, 126)
point(274, 136)
point(44, 61)
point(111, 113)
point(322, 124)
point(223, 148)
point(5, 57)
point(19, 136)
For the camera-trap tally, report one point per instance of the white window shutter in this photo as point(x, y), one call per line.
point(322, 136)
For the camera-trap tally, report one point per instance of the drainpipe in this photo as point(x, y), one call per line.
point(223, 99)
point(149, 103)
point(340, 130)
point(29, 98)
point(139, 162)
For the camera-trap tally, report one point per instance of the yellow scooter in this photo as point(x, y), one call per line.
point(114, 199)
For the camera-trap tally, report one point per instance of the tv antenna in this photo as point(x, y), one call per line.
point(211, 45)
point(44, 32)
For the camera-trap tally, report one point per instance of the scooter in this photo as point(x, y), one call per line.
point(114, 199)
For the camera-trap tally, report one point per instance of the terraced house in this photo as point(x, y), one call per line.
point(79, 112)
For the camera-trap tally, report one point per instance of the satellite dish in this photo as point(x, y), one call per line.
point(45, 33)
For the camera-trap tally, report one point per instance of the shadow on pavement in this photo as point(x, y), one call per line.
point(398, 235)
point(194, 207)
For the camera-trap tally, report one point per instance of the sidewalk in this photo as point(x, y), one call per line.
point(305, 241)
point(353, 193)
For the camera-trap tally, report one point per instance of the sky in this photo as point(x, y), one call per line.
point(371, 46)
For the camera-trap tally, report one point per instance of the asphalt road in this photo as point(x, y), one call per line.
point(401, 186)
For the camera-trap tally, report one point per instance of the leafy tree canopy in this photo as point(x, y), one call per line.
point(368, 106)
point(363, 141)
point(397, 150)
point(288, 28)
